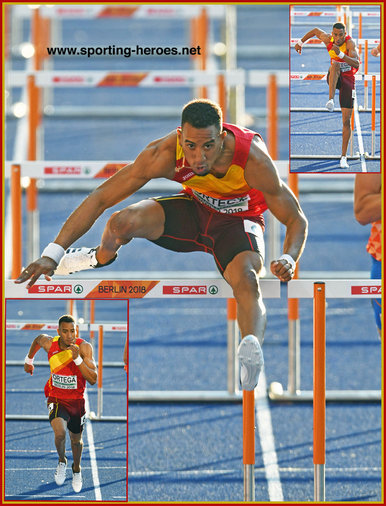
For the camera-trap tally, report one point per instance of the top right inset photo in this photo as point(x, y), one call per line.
point(335, 88)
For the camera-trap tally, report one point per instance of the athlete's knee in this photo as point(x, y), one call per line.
point(335, 67)
point(60, 436)
point(245, 282)
point(122, 223)
point(76, 438)
point(347, 123)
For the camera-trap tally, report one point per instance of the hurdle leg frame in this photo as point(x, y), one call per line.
point(331, 395)
point(249, 444)
point(319, 379)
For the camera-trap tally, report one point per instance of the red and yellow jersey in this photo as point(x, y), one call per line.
point(374, 245)
point(344, 66)
point(229, 194)
point(66, 381)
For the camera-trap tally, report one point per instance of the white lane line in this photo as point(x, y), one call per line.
point(91, 449)
point(90, 438)
point(267, 441)
point(359, 134)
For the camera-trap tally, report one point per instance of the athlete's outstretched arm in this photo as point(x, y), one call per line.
point(261, 173)
point(156, 160)
point(42, 341)
point(315, 32)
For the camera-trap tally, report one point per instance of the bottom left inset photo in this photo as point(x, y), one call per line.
point(65, 400)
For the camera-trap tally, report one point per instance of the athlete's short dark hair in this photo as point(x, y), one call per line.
point(66, 318)
point(339, 26)
point(202, 113)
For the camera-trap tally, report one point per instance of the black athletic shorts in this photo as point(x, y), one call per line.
point(71, 410)
point(346, 87)
point(189, 226)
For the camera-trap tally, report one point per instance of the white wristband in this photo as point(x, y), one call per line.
point(341, 55)
point(28, 360)
point(300, 43)
point(78, 360)
point(289, 259)
point(54, 251)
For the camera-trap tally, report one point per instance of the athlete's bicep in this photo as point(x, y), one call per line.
point(283, 204)
point(322, 35)
point(261, 173)
point(155, 161)
point(44, 341)
point(352, 50)
point(86, 352)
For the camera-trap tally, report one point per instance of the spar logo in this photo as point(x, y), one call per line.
point(65, 170)
point(171, 79)
point(189, 290)
point(51, 289)
point(69, 79)
point(185, 290)
point(366, 290)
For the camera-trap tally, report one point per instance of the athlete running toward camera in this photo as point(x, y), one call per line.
point(72, 364)
point(229, 180)
point(341, 75)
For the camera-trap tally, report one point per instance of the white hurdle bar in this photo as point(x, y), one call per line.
point(335, 288)
point(166, 288)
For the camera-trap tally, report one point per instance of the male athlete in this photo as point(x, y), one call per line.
point(71, 363)
point(229, 180)
point(368, 209)
point(341, 75)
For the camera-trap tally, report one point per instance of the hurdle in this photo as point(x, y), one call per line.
point(334, 288)
point(361, 155)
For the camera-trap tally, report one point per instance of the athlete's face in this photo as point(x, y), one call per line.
point(338, 35)
point(67, 333)
point(201, 147)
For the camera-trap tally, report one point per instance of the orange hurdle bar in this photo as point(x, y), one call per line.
point(249, 444)
point(100, 370)
point(222, 95)
point(272, 134)
point(319, 401)
point(373, 100)
point(16, 214)
point(360, 33)
point(366, 73)
point(293, 318)
point(199, 37)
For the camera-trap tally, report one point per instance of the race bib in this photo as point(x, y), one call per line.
point(344, 67)
point(227, 206)
point(66, 382)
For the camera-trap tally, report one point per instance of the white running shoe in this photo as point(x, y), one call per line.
point(77, 481)
point(76, 259)
point(343, 163)
point(330, 105)
point(60, 473)
point(251, 360)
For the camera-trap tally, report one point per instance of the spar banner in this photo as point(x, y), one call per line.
point(130, 289)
